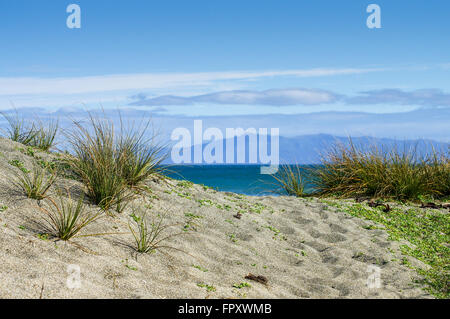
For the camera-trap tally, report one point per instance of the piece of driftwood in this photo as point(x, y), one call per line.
point(261, 279)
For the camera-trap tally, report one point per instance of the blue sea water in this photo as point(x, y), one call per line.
point(242, 179)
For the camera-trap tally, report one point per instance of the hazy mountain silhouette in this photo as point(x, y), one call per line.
point(307, 149)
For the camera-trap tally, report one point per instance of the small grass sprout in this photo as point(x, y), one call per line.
point(149, 235)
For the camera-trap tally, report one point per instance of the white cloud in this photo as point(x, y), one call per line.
point(422, 97)
point(274, 97)
point(12, 86)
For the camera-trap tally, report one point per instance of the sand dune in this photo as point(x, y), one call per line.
point(303, 247)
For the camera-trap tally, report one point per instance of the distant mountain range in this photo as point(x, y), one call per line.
point(307, 149)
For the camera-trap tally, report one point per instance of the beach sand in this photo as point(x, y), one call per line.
point(304, 248)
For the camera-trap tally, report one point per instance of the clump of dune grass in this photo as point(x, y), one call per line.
point(44, 139)
point(289, 180)
point(140, 156)
point(149, 235)
point(36, 183)
point(111, 163)
point(66, 218)
point(438, 170)
point(94, 160)
point(41, 136)
point(18, 130)
point(351, 171)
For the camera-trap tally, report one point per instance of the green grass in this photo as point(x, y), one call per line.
point(427, 230)
point(140, 157)
point(45, 136)
point(289, 180)
point(111, 163)
point(66, 218)
point(18, 130)
point(149, 235)
point(382, 173)
point(41, 136)
point(35, 184)
point(95, 161)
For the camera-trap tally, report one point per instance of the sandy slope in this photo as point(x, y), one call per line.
point(304, 248)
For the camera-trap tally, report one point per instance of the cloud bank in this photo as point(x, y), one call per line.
point(299, 96)
point(89, 84)
point(423, 97)
point(274, 97)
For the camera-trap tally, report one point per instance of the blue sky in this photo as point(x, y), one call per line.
point(234, 59)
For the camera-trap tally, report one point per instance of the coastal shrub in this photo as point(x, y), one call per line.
point(110, 164)
point(289, 180)
point(351, 171)
point(36, 183)
point(65, 218)
point(18, 130)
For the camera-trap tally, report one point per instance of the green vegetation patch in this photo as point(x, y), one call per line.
point(242, 285)
point(428, 232)
point(185, 184)
point(19, 165)
point(209, 288)
point(200, 268)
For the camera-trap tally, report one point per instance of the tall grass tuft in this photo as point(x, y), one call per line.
point(36, 183)
point(44, 138)
point(110, 164)
point(376, 172)
point(18, 130)
point(139, 155)
point(94, 161)
point(289, 180)
point(40, 135)
point(66, 217)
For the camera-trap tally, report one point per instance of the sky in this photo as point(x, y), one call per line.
point(235, 62)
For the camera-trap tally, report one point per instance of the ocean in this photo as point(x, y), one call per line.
point(241, 179)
